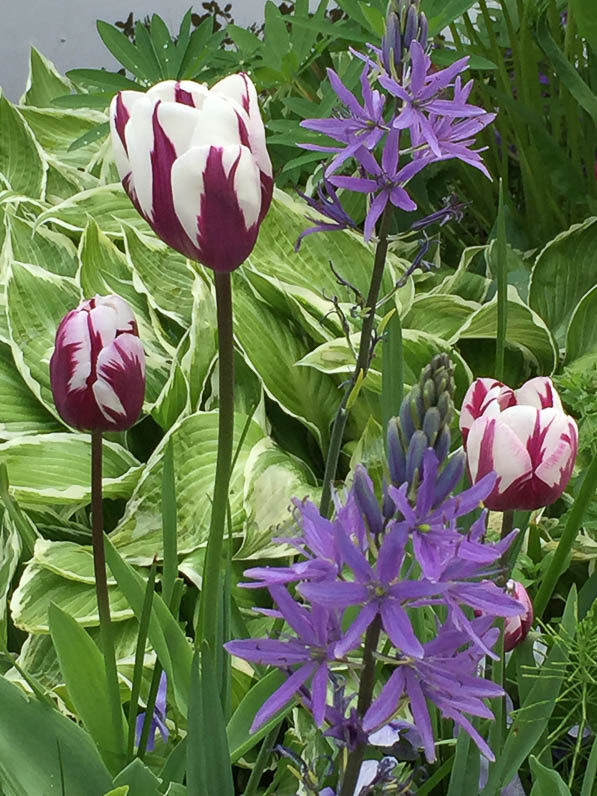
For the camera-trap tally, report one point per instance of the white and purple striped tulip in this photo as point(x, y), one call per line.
point(525, 436)
point(194, 163)
point(97, 370)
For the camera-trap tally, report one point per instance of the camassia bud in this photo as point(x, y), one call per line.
point(516, 628)
point(97, 370)
point(194, 163)
point(525, 436)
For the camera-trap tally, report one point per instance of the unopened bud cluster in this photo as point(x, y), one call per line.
point(424, 422)
point(404, 24)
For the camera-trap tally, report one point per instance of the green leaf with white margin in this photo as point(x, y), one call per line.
point(39, 587)
point(462, 282)
point(21, 412)
point(107, 204)
point(56, 128)
point(198, 360)
point(309, 268)
point(104, 270)
point(67, 559)
point(439, 314)
point(418, 348)
point(21, 159)
point(65, 180)
point(562, 273)
point(581, 338)
point(273, 345)
point(526, 331)
point(10, 553)
point(37, 301)
point(161, 273)
point(138, 536)
point(55, 468)
point(272, 478)
point(42, 751)
point(46, 248)
point(44, 81)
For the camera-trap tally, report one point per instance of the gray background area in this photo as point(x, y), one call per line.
point(64, 31)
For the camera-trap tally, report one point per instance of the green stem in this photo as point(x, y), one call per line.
point(210, 592)
point(101, 590)
point(355, 758)
point(502, 288)
point(263, 758)
point(559, 561)
point(361, 367)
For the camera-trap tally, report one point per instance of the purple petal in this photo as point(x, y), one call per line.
point(418, 708)
point(386, 703)
point(355, 632)
point(334, 594)
point(283, 695)
point(319, 694)
point(397, 625)
point(377, 207)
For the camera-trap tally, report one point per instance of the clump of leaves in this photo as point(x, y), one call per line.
point(578, 389)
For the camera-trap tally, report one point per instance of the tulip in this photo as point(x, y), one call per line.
point(516, 628)
point(97, 370)
point(194, 163)
point(525, 436)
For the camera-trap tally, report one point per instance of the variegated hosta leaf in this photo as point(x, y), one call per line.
point(39, 587)
point(44, 82)
point(56, 128)
point(37, 300)
point(67, 559)
point(138, 536)
point(581, 338)
point(10, 553)
point(22, 162)
point(439, 314)
point(43, 247)
point(105, 270)
point(56, 468)
point(272, 478)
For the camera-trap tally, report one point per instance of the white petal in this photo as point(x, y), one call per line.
point(127, 100)
point(540, 393)
point(219, 123)
point(106, 399)
point(124, 315)
point(163, 91)
point(522, 420)
point(139, 141)
point(179, 123)
point(76, 332)
point(198, 91)
point(508, 455)
point(559, 445)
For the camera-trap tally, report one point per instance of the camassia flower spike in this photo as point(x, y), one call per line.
point(525, 436)
point(97, 370)
point(194, 163)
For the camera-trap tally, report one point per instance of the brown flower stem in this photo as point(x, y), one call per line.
point(101, 590)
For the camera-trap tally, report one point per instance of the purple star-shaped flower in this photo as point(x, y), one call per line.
point(446, 674)
point(377, 589)
point(317, 632)
point(422, 96)
point(362, 126)
point(385, 182)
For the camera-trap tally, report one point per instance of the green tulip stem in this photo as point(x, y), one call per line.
point(210, 592)
point(101, 589)
point(362, 364)
point(501, 256)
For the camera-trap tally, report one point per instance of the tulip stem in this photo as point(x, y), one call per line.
point(501, 255)
point(210, 592)
point(362, 365)
point(560, 558)
point(101, 590)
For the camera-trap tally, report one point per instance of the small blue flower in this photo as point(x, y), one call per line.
point(158, 720)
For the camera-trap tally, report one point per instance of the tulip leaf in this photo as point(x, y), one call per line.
point(272, 478)
point(41, 750)
point(561, 275)
point(55, 468)
point(82, 664)
point(138, 536)
point(39, 587)
point(22, 162)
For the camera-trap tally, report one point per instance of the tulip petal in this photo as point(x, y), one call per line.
point(183, 92)
point(217, 197)
point(493, 445)
point(540, 393)
point(119, 387)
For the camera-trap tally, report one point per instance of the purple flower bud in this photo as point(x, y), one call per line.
point(194, 163)
point(410, 29)
point(396, 456)
point(423, 30)
point(366, 501)
point(97, 370)
point(414, 457)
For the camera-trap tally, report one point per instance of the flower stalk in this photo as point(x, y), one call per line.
point(210, 594)
point(101, 589)
point(362, 364)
